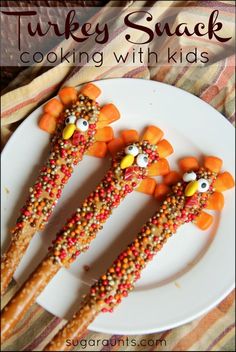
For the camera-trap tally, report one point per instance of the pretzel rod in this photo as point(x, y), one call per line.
point(75, 328)
point(75, 132)
point(184, 204)
point(124, 175)
point(27, 295)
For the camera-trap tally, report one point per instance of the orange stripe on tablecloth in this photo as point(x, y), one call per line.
point(205, 323)
point(227, 302)
point(162, 337)
point(162, 73)
point(220, 83)
point(115, 348)
point(224, 98)
point(29, 101)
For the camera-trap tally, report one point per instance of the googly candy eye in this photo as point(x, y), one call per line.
point(142, 160)
point(189, 176)
point(132, 150)
point(70, 119)
point(82, 125)
point(203, 185)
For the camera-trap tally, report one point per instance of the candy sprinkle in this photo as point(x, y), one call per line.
point(64, 155)
point(83, 226)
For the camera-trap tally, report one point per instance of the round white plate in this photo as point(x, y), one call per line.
point(191, 274)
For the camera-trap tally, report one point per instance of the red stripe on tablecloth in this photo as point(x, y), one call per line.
point(115, 338)
point(43, 334)
point(220, 82)
point(25, 322)
point(216, 4)
point(228, 329)
point(135, 71)
point(181, 74)
point(204, 324)
point(29, 101)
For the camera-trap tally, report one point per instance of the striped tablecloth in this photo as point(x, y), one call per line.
point(213, 83)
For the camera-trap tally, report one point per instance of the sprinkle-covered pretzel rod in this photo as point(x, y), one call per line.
point(130, 168)
point(198, 189)
point(77, 126)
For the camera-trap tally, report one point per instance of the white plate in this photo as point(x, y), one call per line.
point(191, 274)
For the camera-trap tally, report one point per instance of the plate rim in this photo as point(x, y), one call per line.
point(216, 301)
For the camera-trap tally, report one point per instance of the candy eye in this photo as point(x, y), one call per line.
point(189, 176)
point(132, 150)
point(142, 160)
point(70, 119)
point(82, 125)
point(203, 185)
